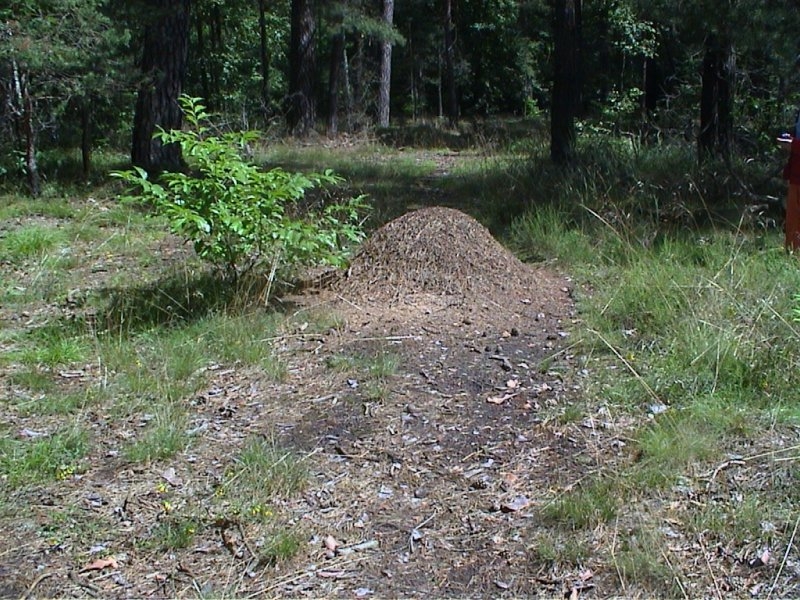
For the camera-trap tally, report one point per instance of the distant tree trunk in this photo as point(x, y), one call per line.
point(202, 57)
point(334, 75)
point(566, 79)
point(164, 66)
point(215, 63)
point(716, 99)
point(384, 93)
point(20, 105)
point(86, 137)
point(31, 165)
point(449, 63)
point(266, 58)
point(302, 59)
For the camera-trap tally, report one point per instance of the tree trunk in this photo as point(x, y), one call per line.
point(86, 137)
point(716, 99)
point(384, 92)
point(31, 166)
point(164, 66)
point(334, 75)
point(449, 63)
point(202, 57)
point(566, 80)
point(22, 112)
point(302, 59)
point(266, 58)
point(215, 62)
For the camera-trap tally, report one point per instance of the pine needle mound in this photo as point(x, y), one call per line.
point(438, 251)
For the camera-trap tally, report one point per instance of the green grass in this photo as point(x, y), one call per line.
point(31, 241)
point(172, 533)
point(51, 456)
point(263, 470)
point(33, 379)
point(643, 560)
point(162, 437)
point(260, 478)
point(281, 545)
point(592, 502)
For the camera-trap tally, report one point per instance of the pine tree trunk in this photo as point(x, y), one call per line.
point(384, 92)
point(449, 64)
point(20, 104)
point(265, 57)
point(302, 59)
point(164, 66)
point(31, 166)
point(566, 80)
point(202, 57)
point(334, 75)
point(86, 137)
point(716, 99)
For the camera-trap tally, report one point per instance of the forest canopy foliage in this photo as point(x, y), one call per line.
point(722, 75)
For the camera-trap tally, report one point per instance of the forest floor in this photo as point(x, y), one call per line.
point(427, 414)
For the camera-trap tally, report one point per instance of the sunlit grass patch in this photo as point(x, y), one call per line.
point(15, 206)
point(280, 545)
point(54, 352)
point(642, 561)
point(42, 456)
point(555, 548)
point(162, 436)
point(588, 504)
point(33, 379)
point(30, 241)
point(172, 533)
point(261, 477)
point(670, 447)
point(263, 470)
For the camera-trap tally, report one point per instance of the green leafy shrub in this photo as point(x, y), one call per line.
point(239, 216)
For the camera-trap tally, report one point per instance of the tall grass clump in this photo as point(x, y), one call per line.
point(30, 241)
point(679, 310)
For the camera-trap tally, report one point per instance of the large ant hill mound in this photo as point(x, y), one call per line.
point(439, 251)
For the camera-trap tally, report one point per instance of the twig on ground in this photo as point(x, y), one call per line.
point(614, 555)
point(36, 582)
point(785, 558)
point(717, 592)
point(675, 575)
point(771, 453)
point(725, 465)
point(343, 299)
point(92, 590)
point(245, 542)
point(629, 366)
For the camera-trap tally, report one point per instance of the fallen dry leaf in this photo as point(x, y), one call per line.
point(331, 543)
point(517, 504)
point(171, 478)
point(501, 399)
point(100, 564)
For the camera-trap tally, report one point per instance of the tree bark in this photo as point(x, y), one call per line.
point(384, 92)
point(86, 137)
point(566, 79)
point(716, 99)
point(334, 76)
point(164, 67)
point(266, 58)
point(449, 64)
point(31, 165)
point(202, 57)
point(302, 58)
